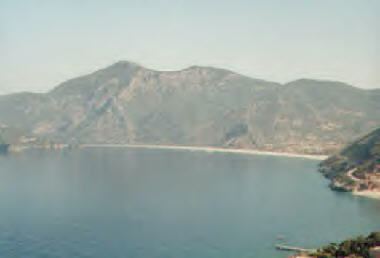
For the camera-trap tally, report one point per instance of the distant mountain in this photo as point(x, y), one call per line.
point(11, 135)
point(126, 103)
point(12, 138)
point(356, 167)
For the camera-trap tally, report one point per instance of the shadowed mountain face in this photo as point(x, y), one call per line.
point(126, 103)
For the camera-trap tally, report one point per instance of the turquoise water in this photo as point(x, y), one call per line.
point(165, 203)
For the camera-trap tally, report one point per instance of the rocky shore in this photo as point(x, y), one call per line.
point(13, 139)
point(360, 247)
point(356, 168)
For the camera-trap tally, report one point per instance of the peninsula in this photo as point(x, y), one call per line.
point(357, 167)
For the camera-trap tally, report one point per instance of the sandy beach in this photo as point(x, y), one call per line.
point(369, 194)
point(209, 149)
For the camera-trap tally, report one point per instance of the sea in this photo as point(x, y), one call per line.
point(125, 202)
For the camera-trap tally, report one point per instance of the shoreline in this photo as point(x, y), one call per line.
point(368, 194)
point(208, 149)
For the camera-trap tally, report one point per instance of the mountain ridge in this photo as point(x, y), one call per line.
point(203, 106)
point(125, 62)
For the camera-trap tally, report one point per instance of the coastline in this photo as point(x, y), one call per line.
point(368, 194)
point(208, 149)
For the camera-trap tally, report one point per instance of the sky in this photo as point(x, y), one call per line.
point(45, 42)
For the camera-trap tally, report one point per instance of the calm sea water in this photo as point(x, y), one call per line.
point(164, 203)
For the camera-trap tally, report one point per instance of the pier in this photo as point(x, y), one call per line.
point(293, 248)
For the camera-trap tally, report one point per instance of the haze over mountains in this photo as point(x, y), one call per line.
point(203, 106)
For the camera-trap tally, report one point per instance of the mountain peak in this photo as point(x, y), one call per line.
point(120, 69)
point(195, 67)
point(203, 105)
point(124, 65)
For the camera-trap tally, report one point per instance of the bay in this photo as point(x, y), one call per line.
point(121, 202)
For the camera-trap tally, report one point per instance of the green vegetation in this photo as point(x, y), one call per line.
point(358, 247)
point(362, 157)
point(127, 103)
point(11, 137)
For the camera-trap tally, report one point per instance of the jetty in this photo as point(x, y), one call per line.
point(293, 248)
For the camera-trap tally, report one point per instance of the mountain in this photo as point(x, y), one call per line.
point(127, 103)
point(15, 139)
point(357, 166)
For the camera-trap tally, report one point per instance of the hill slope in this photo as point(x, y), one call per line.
point(14, 139)
point(126, 103)
point(356, 167)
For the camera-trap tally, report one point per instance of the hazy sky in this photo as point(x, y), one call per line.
point(45, 42)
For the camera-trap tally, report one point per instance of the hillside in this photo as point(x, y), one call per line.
point(360, 247)
point(14, 139)
point(357, 166)
point(203, 106)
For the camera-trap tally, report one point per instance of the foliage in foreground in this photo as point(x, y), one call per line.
point(358, 247)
